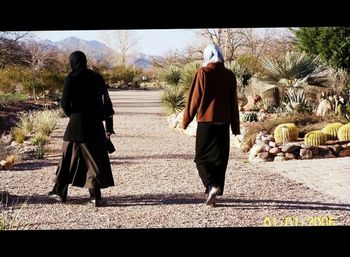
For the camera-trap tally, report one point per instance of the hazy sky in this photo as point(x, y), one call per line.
point(153, 42)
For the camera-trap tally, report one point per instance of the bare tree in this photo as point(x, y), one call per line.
point(12, 50)
point(122, 41)
point(40, 58)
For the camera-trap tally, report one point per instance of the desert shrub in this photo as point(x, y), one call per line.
point(122, 73)
point(52, 82)
point(11, 78)
point(7, 99)
point(18, 135)
point(10, 215)
point(171, 75)
point(25, 122)
point(173, 99)
point(187, 76)
point(45, 122)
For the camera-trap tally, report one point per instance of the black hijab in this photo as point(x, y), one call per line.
point(77, 60)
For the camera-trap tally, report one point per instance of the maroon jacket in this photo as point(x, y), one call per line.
point(213, 97)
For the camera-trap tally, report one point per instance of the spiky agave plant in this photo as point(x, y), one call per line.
point(173, 99)
point(187, 75)
point(291, 67)
point(171, 75)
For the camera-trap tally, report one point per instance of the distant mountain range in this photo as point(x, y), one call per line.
point(99, 51)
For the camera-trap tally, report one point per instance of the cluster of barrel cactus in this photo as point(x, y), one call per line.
point(287, 132)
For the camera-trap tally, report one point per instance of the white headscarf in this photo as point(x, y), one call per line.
point(212, 53)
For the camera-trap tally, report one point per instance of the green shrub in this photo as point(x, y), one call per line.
point(7, 99)
point(12, 77)
point(18, 136)
point(187, 76)
point(173, 99)
point(25, 122)
point(45, 122)
point(171, 75)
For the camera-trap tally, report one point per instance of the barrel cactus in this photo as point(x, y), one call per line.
point(250, 117)
point(344, 132)
point(315, 138)
point(286, 132)
point(331, 130)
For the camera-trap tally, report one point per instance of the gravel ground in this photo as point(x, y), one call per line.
point(157, 184)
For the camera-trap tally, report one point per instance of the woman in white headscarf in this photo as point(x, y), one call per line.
point(213, 99)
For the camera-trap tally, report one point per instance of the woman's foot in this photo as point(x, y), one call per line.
point(56, 197)
point(214, 191)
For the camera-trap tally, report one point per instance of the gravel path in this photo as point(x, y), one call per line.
point(157, 185)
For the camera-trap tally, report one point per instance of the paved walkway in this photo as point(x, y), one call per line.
point(329, 176)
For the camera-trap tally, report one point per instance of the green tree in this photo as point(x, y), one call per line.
point(331, 43)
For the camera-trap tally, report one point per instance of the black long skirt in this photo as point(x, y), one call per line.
point(212, 152)
point(84, 165)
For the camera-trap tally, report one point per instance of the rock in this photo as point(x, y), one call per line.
point(329, 155)
point(263, 155)
point(254, 151)
point(267, 138)
point(260, 142)
point(344, 152)
point(318, 156)
point(304, 146)
point(272, 144)
point(275, 150)
point(323, 150)
point(290, 156)
point(324, 108)
point(267, 148)
point(306, 154)
point(172, 122)
point(280, 154)
point(315, 150)
point(335, 149)
point(290, 147)
point(279, 158)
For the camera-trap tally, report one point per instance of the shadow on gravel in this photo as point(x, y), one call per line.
point(156, 156)
point(169, 199)
point(34, 165)
point(179, 199)
point(280, 204)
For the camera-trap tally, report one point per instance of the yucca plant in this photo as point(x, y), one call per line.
point(187, 75)
point(173, 99)
point(292, 67)
point(26, 122)
point(241, 71)
point(18, 135)
point(45, 122)
point(39, 140)
point(171, 75)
